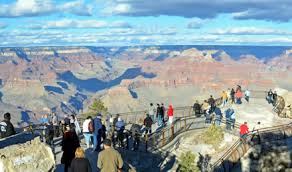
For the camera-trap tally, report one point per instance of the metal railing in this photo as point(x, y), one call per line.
point(231, 157)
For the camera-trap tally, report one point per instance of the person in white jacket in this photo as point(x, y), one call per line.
point(247, 95)
point(152, 112)
point(85, 129)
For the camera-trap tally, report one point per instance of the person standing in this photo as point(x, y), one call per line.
point(238, 96)
point(80, 163)
point(151, 112)
point(97, 132)
point(86, 130)
point(211, 102)
point(111, 122)
point(232, 118)
point(45, 122)
point(67, 120)
point(218, 116)
point(109, 160)
point(170, 114)
point(243, 130)
point(197, 108)
point(228, 95)
point(115, 120)
point(229, 118)
point(6, 127)
point(232, 95)
point(162, 113)
point(55, 122)
point(76, 124)
point(224, 98)
point(158, 115)
point(205, 106)
point(269, 97)
point(256, 133)
point(247, 95)
point(275, 97)
point(45, 119)
point(148, 124)
point(70, 143)
point(120, 127)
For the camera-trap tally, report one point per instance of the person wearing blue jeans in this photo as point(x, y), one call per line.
point(218, 116)
point(87, 130)
point(97, 133)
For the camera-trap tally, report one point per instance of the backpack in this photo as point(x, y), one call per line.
point(90, 126)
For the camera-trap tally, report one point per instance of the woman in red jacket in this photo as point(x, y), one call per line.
point(170, 114)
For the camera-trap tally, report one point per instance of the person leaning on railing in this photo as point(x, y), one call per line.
point(243, 130)
point(255, 133)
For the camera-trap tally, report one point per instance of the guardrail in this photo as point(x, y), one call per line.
point(232, 156)
point(166, 135)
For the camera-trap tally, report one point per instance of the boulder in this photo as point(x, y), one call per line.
point(31, 156)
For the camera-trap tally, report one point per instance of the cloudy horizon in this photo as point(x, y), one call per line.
point(138, 22)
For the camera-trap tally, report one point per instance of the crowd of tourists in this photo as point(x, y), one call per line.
point(212, 109)
point(102, 134)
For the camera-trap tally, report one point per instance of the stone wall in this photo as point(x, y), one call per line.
point(31, 156)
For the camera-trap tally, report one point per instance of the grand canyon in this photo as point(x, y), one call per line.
point(37, 80)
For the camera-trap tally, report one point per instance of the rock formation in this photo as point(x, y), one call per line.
point(32, 156)
point(35, 78)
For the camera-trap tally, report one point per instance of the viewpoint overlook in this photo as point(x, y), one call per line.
point(145, 86)
point(69, 80)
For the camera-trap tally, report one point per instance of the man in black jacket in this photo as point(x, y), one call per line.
point(197, 108)
point(6, 127)
point(148, 124)
point(212, 102)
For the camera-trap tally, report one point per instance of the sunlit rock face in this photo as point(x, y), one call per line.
point(37, 78)
point(31, 156)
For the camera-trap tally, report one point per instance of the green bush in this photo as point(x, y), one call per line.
point(96, 107)
point(214, 135)
point(187, 162)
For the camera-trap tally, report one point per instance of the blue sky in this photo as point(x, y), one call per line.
point(145, 22)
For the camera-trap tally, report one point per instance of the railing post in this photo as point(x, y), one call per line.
point(190, 111)
point(172, 132)
point(185, 120)
point(146, 142)
point(163, 137)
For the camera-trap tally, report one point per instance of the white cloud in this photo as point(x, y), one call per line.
point(196, 23)
point(250, 31)
point(129, 36)
point(69, 23)
point(28, 8)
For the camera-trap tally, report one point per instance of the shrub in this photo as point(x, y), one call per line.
point(96, 107)
point(214, 135)
point(187, 162)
